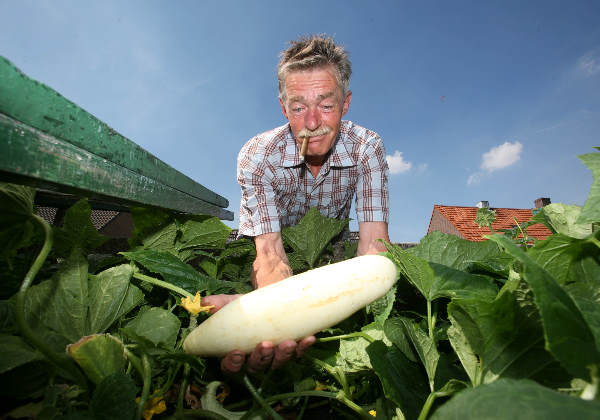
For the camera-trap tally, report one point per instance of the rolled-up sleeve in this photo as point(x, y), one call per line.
point(372, 188)
point(258, 212)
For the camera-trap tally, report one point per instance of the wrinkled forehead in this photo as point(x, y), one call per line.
point(295, 72)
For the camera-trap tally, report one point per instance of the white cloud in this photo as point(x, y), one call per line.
point(474, 178)
point(498, 157)
point(501, 156)
point(589, 64)
point(397, 164)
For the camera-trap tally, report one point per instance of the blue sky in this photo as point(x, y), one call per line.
point(475, 100)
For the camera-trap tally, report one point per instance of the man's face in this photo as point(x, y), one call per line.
point(315, 107)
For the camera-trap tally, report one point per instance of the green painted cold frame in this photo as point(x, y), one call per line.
point(49, 142)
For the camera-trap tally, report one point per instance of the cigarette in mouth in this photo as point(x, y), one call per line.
point(304, 147)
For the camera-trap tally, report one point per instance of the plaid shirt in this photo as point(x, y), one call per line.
point(278, 188)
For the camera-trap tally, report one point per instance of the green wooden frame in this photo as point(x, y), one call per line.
point(49, 142)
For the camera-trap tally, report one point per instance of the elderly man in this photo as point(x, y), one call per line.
point(281, 180)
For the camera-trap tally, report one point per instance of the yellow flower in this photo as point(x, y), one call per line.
point(155, 405)
point(221, 397)
point(320, 387)
point(194, 306)
point(373, 413)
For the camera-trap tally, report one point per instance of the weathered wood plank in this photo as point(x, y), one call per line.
point(40, 159)
point(40, 107)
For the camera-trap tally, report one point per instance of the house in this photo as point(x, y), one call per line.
point(460, 220)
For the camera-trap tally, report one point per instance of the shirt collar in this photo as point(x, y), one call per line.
point(340, 157)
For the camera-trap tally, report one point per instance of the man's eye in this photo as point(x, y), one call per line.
point(297, 109)
point(328, 107)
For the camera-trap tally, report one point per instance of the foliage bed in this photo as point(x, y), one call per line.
point(506, 328)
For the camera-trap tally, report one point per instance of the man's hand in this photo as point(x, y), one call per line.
point(265, 354)
point(369, 233)
point(271, 264)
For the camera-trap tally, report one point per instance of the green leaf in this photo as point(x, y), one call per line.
point(395, 332)
point(450, 250)
point(567, 258)
point(16, 211)
point(382, 307)
point(208, 263)
point(158, 326)
point(452, 283)
point(99, 356)
point(163, 239)
point(312, 234)
point(485, 217)
point(16, 352)
point(436, 280)
point(416, 270)
point(111, 296)
point(496, 265)
point(204, 232)
point(403, 381)
point(146, 220)
point(8, 321)
point(591, 209)
point(567, 334)
point(176, 272)
point(563, 219)
point(114, 398)
point(210, 403)
point(352, 356)
point(515, 399)
point(61, 303)
point(425, 348)
point(501, 338)
point(78, 231)
point(587, 298)
point(16, 199)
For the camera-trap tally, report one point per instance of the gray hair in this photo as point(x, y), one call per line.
point(311, 52)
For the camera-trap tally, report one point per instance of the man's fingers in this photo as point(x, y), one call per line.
point(285, 351)
point(218, 301)
point(262, 356)
point(265, 355)
point(233, 362)
point(304, 344)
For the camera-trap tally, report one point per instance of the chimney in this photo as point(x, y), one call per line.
point(483, 204)
point(541, 202)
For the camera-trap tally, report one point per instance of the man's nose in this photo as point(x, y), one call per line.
point(313, 119)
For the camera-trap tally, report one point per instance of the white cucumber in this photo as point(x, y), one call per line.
point(294, 308)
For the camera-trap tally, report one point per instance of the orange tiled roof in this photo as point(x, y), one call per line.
point(463, 219)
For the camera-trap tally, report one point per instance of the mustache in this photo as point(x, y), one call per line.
point(305, 132)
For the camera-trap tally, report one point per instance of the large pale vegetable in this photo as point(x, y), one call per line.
point(294, 308)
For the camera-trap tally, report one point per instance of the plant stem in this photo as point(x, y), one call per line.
point(344, 336)
point(431, 317)
point(260, 399)
point(165, 388)
point(594, 241)
point(147, 378)
point(135, 362)
point(61, 361)
point(427, 406)
point(163, 284)
point(201, 414)
point(340, 396)
point(333, 371)
point(304, 404)
point(182, 390)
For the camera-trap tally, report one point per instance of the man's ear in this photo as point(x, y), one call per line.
point(347, 101)
point(283, 110)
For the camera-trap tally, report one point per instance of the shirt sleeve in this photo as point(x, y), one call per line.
point(371, 188)
point(258, 212)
